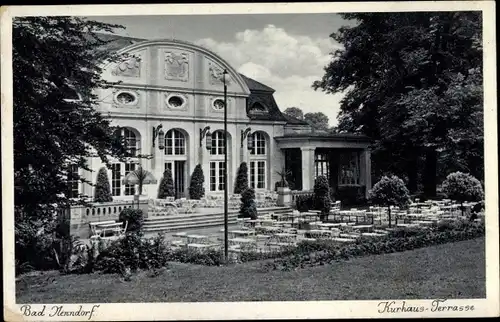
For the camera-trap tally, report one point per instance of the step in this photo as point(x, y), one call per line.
point(185, 227)
point(180, 221)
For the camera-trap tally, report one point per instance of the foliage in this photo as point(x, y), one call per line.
point(102, 191)
point(196, 188)
point(166, 188)
point(351, 195)
point(132, 253)
point(54, 61)
point(210, 257)
point(390, 191)
point(294, 112)
point(463, 187)
point(284, 174)
point(241, 179)
point(420, 96)
point(322, 196)
point(248, 208)
point(321, 252)
point(304, 203)
point(318, 120)
point(134, 217)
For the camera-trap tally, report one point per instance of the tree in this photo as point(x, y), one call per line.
point(196, 188)
point(295, 112)
point(248, 208)
point(390, 191)
point(102, 191)
point(166, 188)
point(56, 126)
point(462, 187)
point(413, 83)
point(139, 177)
point(241, 179)
point(318, 120)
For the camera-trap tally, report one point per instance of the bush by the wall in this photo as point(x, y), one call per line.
point(166, 188)
point(196, 187)
point(135, 218)
point(102, 191)
point(241, 183)
point(248, 208)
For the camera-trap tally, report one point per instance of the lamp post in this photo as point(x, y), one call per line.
point(226, 250)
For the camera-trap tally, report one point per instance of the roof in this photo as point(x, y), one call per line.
point(254, 85)
point(294, 121)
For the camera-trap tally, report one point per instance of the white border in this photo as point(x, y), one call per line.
point(254, 310)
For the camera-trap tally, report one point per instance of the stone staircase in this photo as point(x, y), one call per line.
point(199, 220)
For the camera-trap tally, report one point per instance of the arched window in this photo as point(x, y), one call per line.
point(175, 143)
point(218, 143)
point(121, 169)
point(259, 144)
point(131, 140)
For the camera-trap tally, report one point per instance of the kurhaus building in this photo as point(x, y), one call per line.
point(169, 104)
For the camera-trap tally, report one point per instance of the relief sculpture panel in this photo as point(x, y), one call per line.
point(129, 67)
point(216, 74)
point(176, 66)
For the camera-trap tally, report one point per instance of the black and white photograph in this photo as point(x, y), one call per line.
point(229, 161)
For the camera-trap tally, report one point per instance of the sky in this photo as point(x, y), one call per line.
point(284, 51)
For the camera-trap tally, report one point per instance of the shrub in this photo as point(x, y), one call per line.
point(166, 188)
point(322, 196)
point(135, 218)
point(390, 191)
point(210, 257)
point(304, 203)
point(102, 191)
point(462, 187)
point(248, 207)
point(241, 179)
point(196, 188)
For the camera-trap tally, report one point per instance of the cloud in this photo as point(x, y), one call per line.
point(286, 62)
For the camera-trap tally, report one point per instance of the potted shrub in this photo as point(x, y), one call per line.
point(241, 179)
point(462, 187)
point(322, 196)
point(284, 196)
point(248, 207)
point(196, 189)
point(390, 191)
point(102, 191)
point(166, 188)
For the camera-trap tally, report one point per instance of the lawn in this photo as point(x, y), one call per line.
point(455, 270)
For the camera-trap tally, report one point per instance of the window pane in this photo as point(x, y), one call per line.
point(129, 188)
point(252, 174)
point(212, 176)
point(221, 176)
point(115, 179)
point(261, 178)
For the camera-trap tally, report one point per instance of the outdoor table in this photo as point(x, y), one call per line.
point(344, 240)
point(319, 232)
point(242, 232)
point(363, 227)
point(196, 238)
point(200, 246)
point(372, 234)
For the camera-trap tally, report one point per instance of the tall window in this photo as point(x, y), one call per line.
point(321, 165)
point(115, 179)
point(216, 176)
point(258, 174)
point(259, 144)
point(131, 140)
point(73, 181)
point(175, 143)
point(349, 168)
point(218, 143)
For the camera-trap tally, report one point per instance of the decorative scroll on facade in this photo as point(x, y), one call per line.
point(176, 66)
point(131, 67)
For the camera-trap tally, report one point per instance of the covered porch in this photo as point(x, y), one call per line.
point(344, 159)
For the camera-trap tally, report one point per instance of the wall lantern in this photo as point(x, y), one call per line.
point(209, 140)
point(244, 134)
point(250, 142)
point(204, 132)
point(156, 132)
point(161, 140)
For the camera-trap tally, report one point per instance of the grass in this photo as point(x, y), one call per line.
point(455, 270)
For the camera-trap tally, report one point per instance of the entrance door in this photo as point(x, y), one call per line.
point(177, 168)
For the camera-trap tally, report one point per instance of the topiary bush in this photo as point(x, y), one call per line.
point(196, 187)
point(322, 199)
point(462, 187)
point(166, 188)
point(390, 191)
point(241, 179)
point(135, 218)
point(102, 192)
point(248, 207)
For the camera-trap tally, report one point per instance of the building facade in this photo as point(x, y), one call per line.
point(169, 105)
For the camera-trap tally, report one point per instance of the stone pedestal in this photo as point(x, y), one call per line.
point(284, 197)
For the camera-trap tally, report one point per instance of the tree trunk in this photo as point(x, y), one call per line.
point(389, 212)
point(430, 174)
